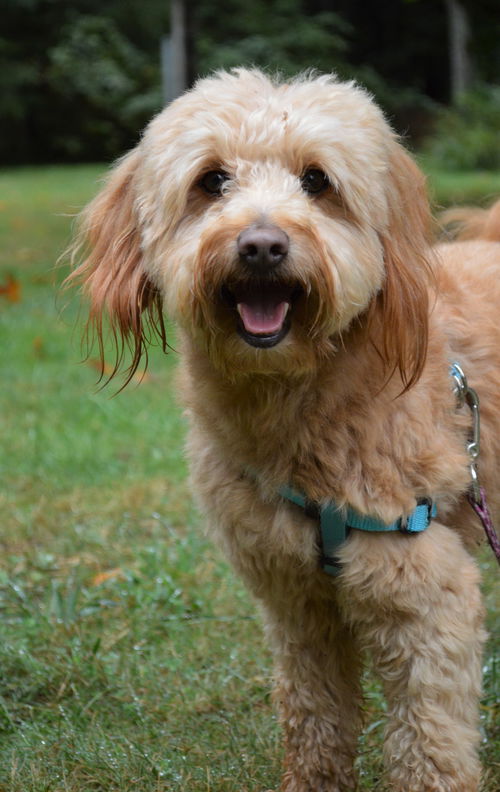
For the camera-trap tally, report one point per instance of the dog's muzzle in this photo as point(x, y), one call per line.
point(262, 299)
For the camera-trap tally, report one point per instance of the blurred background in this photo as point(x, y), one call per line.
point(80, 78)
point(130, 657)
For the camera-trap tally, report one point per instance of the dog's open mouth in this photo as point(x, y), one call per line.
point(263, 311)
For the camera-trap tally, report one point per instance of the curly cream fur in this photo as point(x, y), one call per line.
point(355, 403)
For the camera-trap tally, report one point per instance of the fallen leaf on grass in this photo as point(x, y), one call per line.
point(111, 574)
point(11, 289)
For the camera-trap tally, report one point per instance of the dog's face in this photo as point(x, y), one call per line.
point(267, 217)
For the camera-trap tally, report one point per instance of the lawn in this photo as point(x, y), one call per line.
point(131, 658)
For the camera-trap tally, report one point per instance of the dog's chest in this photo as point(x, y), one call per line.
point(328, 449)
point(375, 454)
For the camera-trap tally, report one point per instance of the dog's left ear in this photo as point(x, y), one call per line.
point(405, 297)
point(112, 274)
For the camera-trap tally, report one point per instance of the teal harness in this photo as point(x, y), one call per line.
point(335, 523)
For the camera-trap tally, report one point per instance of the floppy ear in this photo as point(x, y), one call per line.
point(111, 273)
point(405, 297)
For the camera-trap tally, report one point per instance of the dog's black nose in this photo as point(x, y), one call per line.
point(262, 247)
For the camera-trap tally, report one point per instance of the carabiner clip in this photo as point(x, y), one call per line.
point(472, 401)
point(466, 395)
point(475, 486)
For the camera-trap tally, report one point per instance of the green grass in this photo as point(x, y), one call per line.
point(130, 657)
point(449, 187)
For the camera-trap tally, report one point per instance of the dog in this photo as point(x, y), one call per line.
point(287, 232)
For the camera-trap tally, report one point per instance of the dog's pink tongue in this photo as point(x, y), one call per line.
point(261, 316)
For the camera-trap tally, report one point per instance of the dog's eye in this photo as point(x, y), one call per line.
point(212, 182)
point(314, 181)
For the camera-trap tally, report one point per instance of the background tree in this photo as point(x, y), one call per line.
point(80, 78)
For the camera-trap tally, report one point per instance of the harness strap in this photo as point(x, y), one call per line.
point(335, 523)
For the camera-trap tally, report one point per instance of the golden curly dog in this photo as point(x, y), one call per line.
point(286, 231)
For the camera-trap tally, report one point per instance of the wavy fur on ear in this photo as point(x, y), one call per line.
point(111, 273)
point(404, 301)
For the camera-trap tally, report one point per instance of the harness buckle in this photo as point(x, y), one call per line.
point(312, 509)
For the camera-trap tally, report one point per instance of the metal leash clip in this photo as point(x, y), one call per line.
point(476, 495)
point(466, 395)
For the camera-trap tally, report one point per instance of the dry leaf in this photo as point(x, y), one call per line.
point(11, 289)
point(111, 574)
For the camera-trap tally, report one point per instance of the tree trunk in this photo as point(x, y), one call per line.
point(173, 54)
point(460, 64)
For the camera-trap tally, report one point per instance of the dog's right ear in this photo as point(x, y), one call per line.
point(109, 268)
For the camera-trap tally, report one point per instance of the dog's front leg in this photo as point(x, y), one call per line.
point(416, 606)
point(318, 695)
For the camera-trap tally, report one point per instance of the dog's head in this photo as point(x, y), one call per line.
point(268, 219)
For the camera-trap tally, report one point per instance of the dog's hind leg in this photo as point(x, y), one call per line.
point(318, 696)
point(416, 606)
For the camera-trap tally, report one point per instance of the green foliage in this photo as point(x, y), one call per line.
point(451, 188)
point(80, 79)
point(76, 83)
point(466, 137)
point(276, 35)
point(95, 67)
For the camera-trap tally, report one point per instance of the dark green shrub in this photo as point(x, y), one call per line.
point(467, 136)
point(96, 69)
point(272, 34)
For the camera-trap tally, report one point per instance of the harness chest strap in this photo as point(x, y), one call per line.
point(335, 523)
